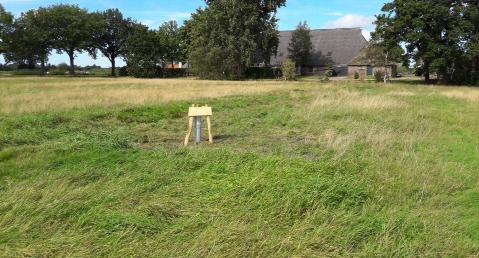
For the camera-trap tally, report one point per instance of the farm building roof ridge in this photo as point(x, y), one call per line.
point(354, 28)
point(331, 46)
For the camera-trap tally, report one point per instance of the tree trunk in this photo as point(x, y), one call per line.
point(427, 75)
point(474, 72)
point(42, 66)
point(386, 75)
point(71, 54)
point(113, 68)
point(31, 64)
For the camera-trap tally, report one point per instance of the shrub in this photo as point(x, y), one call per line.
point(153, 72)
point(123, 71)
point(27, 72)
point(174, 73)
point(288, 68)
point(356, 75)
point(98, 72)
point(330, 73)
point(379, 76)
point(145, 71)
point(63, 66)
point(263, 73)
point(57, 71)
point(324, 78)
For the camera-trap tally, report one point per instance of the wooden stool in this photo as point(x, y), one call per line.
point(195, 114)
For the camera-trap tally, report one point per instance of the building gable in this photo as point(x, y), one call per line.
point(331, 46)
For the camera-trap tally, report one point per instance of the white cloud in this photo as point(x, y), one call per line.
point(147, 22)
point(351, 21)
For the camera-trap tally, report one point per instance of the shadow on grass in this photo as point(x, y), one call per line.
point(222, 138)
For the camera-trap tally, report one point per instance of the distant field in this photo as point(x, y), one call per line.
point(95, 167)
point(35, 94)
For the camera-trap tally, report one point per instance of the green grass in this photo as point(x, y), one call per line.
point(337, 169)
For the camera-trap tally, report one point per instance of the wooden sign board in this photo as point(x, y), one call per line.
point(200, 111)
point(195, 114)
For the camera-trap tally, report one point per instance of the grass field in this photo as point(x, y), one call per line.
point(95, 167)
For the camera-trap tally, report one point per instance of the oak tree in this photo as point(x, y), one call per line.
point(6, 27)
point(112, 36)
point(71, 28)
point(31, 39)
point(171, 39)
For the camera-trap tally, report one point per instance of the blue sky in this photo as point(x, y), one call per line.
point(318, 13)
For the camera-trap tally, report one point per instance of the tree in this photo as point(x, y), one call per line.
point(112, 36)
point(170, 37)
point(300, 48)
point(143, 52)
point(379, 53)
point(30, 42)
point(471, 14)
point(6, 27)
point(71, 29)
point(185, 34)
point(432, 32)
point(226, 35)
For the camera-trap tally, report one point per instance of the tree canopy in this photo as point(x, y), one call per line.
point(144, 52)
point(227, 35)
point(71, 28)
point(112, 35)
point(6, 26)
point(440, 37)
point(301, 48)
point(31, 39)
point(171, 39)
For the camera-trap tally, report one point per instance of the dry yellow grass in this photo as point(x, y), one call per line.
point(464, 94)
point(377, 138)
point(350, 102)
point(41, 94)
point(402, 93)
point(354, 100)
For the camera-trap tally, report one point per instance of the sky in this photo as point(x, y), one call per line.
point(319, 14)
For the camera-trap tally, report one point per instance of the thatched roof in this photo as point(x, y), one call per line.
point(331, 46)
point(369, 55)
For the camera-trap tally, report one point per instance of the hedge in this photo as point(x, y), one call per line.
point(153, 72)
point(263, 73)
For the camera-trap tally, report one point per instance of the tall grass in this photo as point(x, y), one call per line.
point(298, 169)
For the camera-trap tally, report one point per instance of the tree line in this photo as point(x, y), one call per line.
point(438, 38)
point(30, 39)
point(220, 41)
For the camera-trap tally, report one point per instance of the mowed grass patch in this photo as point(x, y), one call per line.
point(309, 169)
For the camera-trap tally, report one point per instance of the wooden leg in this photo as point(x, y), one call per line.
point(190, 128)
point(210, 134)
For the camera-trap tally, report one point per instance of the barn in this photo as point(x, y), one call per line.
point(333, 48)
point(365, 64)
